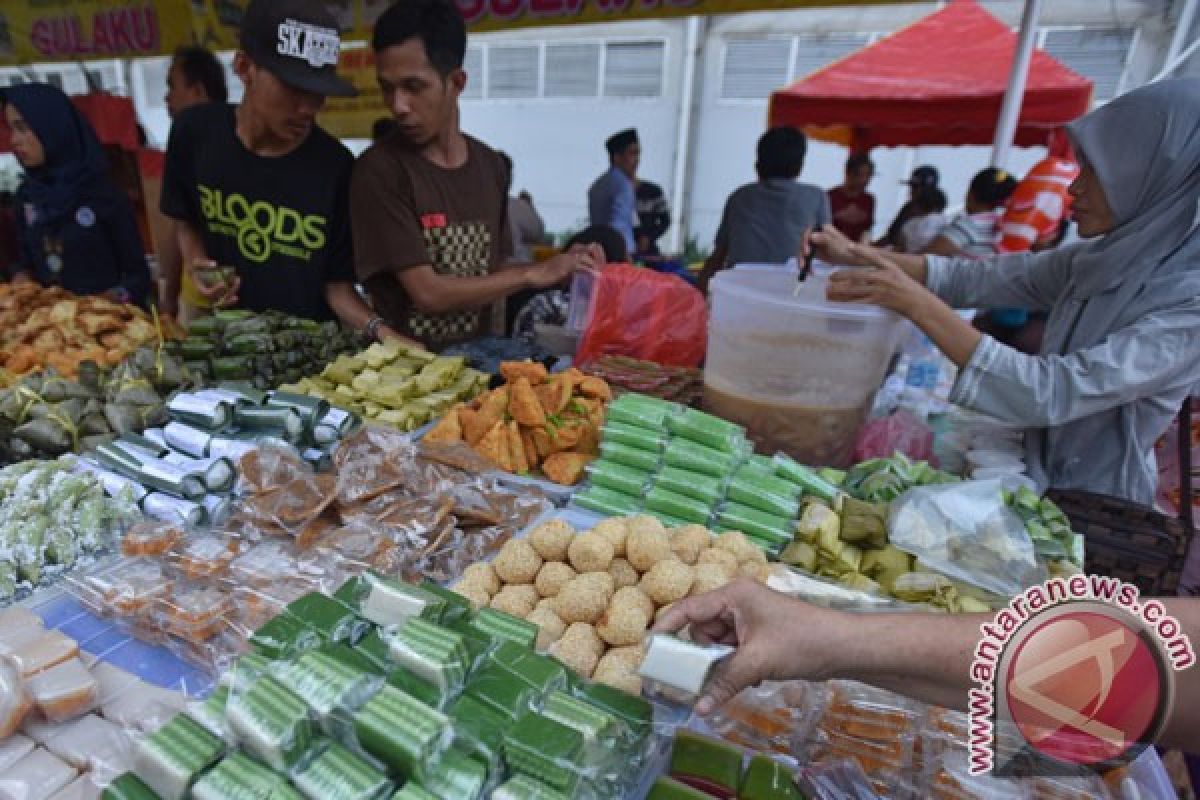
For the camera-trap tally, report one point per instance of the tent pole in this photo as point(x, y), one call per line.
point(1010, 111)
point(1183, 27)
point(1176, 62)
point(689, 102)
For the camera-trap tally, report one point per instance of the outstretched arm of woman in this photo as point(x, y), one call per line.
point(885, 283)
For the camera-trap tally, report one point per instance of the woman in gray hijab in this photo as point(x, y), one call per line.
point(1122, 344)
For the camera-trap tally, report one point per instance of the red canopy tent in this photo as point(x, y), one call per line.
point(941, 80)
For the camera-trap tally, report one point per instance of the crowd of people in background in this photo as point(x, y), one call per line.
point(427, 221)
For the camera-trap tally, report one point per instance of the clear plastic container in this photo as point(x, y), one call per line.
point(798, 371)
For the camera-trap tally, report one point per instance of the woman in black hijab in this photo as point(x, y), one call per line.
point(76, 228)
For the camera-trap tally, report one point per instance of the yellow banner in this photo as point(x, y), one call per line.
point(217, 20)
point(352, 117)
point(69, 30)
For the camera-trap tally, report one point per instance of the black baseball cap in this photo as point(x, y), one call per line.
point(298, 42)
point(923, 176)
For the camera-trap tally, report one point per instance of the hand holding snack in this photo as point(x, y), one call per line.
point(219, 285)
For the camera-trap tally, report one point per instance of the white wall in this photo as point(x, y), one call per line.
point(557, 146)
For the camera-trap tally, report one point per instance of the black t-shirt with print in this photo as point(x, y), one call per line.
point(283, 222)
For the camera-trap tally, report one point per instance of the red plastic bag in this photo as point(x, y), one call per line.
point(900, 432)
point(644, 314)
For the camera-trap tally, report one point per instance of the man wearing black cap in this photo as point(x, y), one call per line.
point(431, 233)
point(922, 177)
point(259, 187)
point(612, 200)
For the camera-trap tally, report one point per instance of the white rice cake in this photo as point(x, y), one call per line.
point(83, 788)
point(112, 682)
point(13, 749)
point(144, 707)
point(48, 649)
point(64, 691)
point(37, 776)
point(96, 745)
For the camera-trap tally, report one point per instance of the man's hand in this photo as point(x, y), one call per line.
point(556, 270)
point(777, 638)
point(168, 302)
point(220, 295)
point(882, 283)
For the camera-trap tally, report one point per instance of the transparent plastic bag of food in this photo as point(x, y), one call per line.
point(966, 532)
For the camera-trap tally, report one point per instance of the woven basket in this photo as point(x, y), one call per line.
point(1131, 542)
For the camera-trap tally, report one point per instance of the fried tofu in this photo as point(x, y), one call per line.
point(532, 371)
point(566, 469)
point(524, 405)
point(516, 448)
point(448, 430)
point(596, 388)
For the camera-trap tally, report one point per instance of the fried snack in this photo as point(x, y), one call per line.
point(532, 371)
point(524, 405)
point(494, 447)
point(516, 448)
point(566, 468)
point(448, 429)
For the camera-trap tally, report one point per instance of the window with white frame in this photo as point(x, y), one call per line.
point(634, 69)
point(566, 69)
point(1100, 54)
point(753, 67)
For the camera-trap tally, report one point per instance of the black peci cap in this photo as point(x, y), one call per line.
point(619, 141)
point(924, 176)
point(298, 42)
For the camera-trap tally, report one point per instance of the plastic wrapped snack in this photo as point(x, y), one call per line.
point(283, 636)
point(479, 731)
point(967, 532)
point(338, 774)
point(49, 649)
point(706, 763)
point(500, 626)
point(241, 776)
point(642, 411)
point(387, 601)
point(688, 455)
point(271, 723)
point(402, 732)
point(678, 669)
point(503, 693)
point(14, 747)
point(677, 506)
point(143, 707)
point(95, 745)
point(329, 686)
point(618, 477)
point(523, 787)
point(15, 701)
point(333, 620)
point(546, 750)
point(37, 776)
point(541, 673)
point(455, 776)
point(150, 538)
point(63, 691)
point(171, 760)
point(710, 431)
point(633, 436)
point(766, 530)
point(607, 502)
point(194, 613)
point(644, 460)
point(761, 490)
point(129, 787)
point(430, 651)
point(204, 557)
point(698, 486)
point(767, 779)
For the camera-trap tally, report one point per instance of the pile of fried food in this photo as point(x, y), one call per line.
point(51, 327)
point(535, 422)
